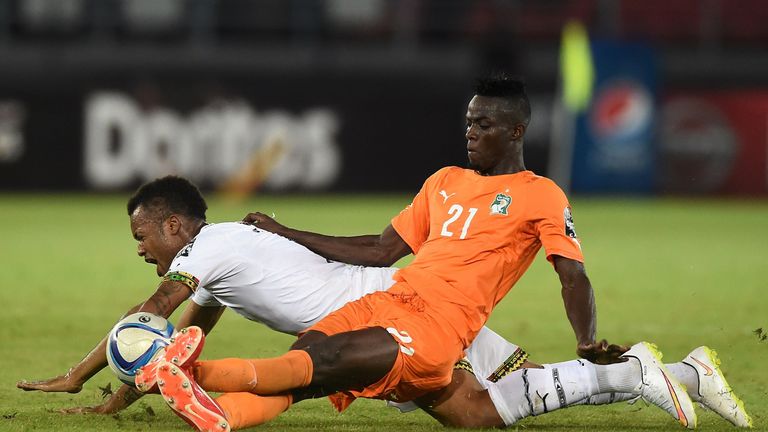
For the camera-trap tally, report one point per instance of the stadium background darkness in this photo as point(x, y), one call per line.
point(392, 78)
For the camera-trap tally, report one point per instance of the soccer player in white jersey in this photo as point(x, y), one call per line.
point(269, 279)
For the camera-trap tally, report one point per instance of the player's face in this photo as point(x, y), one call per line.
point(491, 130)
point(156, 244)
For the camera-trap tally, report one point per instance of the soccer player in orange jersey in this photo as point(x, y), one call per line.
point(474, 232)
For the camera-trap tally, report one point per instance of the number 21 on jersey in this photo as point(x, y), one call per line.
point(454, 213)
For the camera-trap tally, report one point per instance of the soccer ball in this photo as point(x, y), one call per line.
point(135, 341)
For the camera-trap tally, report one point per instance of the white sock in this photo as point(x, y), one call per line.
point(688, 376)
point(619, 377)
point(596, 399)
point(529, 392)
point(684, 373)
point(608, 398)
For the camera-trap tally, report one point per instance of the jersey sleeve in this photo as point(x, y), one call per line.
point(555, 226)
point(412, 224)
point(203, 297)
point(202, 263)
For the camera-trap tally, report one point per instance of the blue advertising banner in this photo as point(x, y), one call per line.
point(614, 147)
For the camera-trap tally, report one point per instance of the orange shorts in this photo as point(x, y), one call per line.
point(429, 347)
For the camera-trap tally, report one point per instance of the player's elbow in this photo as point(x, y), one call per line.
point(389, 251)
point(381, 257)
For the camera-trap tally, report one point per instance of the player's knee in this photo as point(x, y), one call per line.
point(308, 339)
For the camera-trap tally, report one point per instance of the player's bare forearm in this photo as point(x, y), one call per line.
point(368, 250)
point(578, 298)
point(118, 401)
point(168, 297)
point(164, 301)
point(73, 380)
point(204, 317)
point(124, 397)
point(360, 250)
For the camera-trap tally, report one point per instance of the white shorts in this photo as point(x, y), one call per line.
point(492, 357)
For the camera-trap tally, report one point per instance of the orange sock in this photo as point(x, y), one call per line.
point(261, 376)
point(244, 410)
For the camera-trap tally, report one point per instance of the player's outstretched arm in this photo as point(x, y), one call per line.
point(369, 250)
point(579, 301)
point(204, 317)
point(163, 302)
point(578, 298)
point(194, 314)
point(73, 380)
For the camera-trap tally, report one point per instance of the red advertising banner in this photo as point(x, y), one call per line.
point(715, 142)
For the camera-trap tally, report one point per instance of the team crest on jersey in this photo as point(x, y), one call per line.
point(501, 204)
point(570, 230)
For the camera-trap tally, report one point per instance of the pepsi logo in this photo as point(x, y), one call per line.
point(621, 109)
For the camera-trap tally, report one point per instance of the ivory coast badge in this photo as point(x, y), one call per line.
point(501, 204)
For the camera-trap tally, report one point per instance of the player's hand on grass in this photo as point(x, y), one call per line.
point(262, 221)
point(61, 383)
point(98, 409)
point(117, 401)
point(602, 352)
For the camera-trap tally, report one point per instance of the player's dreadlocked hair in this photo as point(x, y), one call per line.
point(508, 87)
point(169, 195)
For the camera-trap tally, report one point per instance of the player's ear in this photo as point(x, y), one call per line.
point(173, 223)
point(518, 131)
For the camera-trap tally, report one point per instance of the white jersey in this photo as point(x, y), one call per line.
point(268, 278)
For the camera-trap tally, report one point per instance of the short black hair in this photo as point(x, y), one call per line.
point(509, 87)
point(169, 195)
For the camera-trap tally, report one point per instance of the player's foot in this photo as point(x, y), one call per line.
point(661, 388)
point(183, 350)
point(714, 391)
point(189, 401)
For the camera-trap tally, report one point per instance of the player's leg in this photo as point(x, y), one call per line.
point(490, 356)
point(353, 360)
point(229, 411)
point(344, 361)
point(553, 388)
point(308, 339)
point(536, 391)
point(324, 361)
point(516, 395)
point(463, 403)
point(348, 360)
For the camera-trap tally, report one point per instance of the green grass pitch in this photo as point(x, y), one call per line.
point(680, 273)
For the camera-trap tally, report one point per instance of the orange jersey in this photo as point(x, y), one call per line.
point(474, 236)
